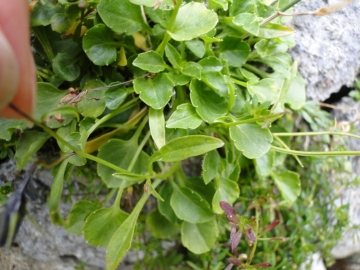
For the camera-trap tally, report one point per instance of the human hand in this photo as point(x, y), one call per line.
point(17, 71)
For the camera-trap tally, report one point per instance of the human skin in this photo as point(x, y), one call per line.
point(17, 70)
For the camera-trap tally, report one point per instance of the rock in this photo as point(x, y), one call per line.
point(327, 47)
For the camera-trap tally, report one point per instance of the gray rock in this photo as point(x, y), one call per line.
point(327, 47)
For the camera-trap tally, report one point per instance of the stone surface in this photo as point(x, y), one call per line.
point(327, 47)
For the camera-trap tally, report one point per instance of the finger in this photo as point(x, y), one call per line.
point(14, 22)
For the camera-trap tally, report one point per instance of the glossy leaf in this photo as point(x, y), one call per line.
point(121, 16)
point(93, 103)
point(211, 64)
point(65, 66)
point(185, 117)
point(191, 69)
point(249, 22)
point(296, 95)
point(157, 127)
point(178, 79)
point(120, 153)
point(154, 92)
point(29, 143)
point(265, 90)
point(217, 82)
point(210, 166)
point(187, 146)
point(100, 226)
point(289, 185)
point(120, 243)
point(193, 20)
point(148, 3)
point(207, 103)
point(251, 139)
point(234, 50)
point(173, 55)
point(78, 214)
point(201, 237)
point(190, 206)
point(197, 47)
point(42, 13)
point(99, 45)
point(226, 190)
point(150, 61)
point(159, 226)
point(264, 164)
point(115, 96)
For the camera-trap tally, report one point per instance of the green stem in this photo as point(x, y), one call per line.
point(138, 151)
point(251, 120)
point(257, 71)
point(251, 256)
point(110, 115)
point(167, 37)
point(244, 84)
point(315, 154)
point(286, 147)
point(280, 134)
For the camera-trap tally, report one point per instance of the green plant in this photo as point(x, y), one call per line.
point(162, 81)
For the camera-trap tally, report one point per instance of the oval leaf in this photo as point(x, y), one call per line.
point(190, 206)
point(289, 185)
point(185, 117)
point(201, 237)
point(193, 20)
point(150, 61)
point(251, 139)
point(187, 146)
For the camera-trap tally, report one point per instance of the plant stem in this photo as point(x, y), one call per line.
point(167, 37)
point(286, 147)
point(257, 71)
point(251, 256)
point(315, 154)
point(280, 134)
point(251, 120)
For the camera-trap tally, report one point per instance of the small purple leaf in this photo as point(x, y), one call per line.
point(235, 242)
point(234, 261)
point(229, 266)
point(250, 235)
point(271, 226)
point(227, 208)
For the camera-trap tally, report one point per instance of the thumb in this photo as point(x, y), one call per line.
point(9, 72)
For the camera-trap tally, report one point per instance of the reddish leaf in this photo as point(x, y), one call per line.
point(250, 235)
point(262, 265)
point(271, 226)
point(234, 261)
point(235, 242)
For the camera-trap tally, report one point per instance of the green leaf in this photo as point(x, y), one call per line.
point(165, 208)
point(115, 96)
point(201, 237)
point(190, 206)
point(241, 6)
point(211, 166)
point(121, 16)
point(173, 55)
point(219, 3)
point(65, 67)
point(217, 82)
point(211, 64)
point(178, 79)
point(120, 243)
point(8, 126)
point(99, 45)
point(251, 139)
point(226, 190)
point(154, 92)
point(249, 22)
point(68, 110)
point(265, 90)
point(55, 194)
point(296, 95)
point(185, 117)
point(191, 69)
point(157, 127)
point(159, 226)
point(187, 146)
point(264, 164)
point(273, 30)
point(207, 103)
point(78, 214)
point(48, 98)
point(234, 50)
point(42, 13)
point(101, 225)
point(193, 20)
point(150, 61)
point(120, 153)
point(289, 185)
point(29, 143)
point(197, 47)
point(93, 103)
point(147, 3)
